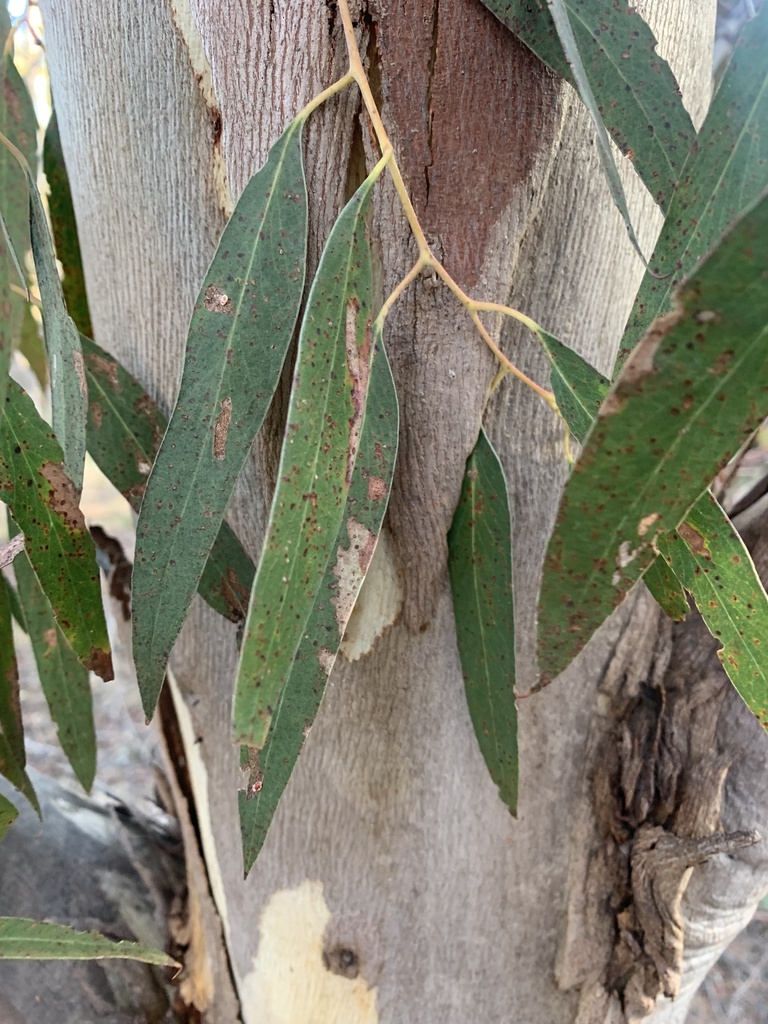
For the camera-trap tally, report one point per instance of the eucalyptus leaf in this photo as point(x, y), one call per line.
point(325, 417)
point(238, 338)
point(633, 86)
point(8, 814)
point(269, 769)
point(24, 939)
point(64, 680)
point(724, 175)
point(710, 559)
point(579, 389)
point(693, 391)
point(666, 589)
point(12, 754)
point(480, 566)
point(43, 501)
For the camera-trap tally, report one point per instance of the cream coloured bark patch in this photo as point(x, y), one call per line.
point(378, 604)
point(290, 982)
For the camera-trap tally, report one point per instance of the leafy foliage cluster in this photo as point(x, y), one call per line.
point(689, 388)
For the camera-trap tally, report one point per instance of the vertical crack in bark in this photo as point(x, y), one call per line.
point(430, 89)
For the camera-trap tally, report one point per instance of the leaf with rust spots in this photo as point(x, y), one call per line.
point(327, 402)
point(12, 754)
point(63, 678)
point(712, 563)
point(632, 84)
point(8, 814)
point(724, 174)
point(670, 433)
point(666, 590)
point(125, 428)
point(480, 567)
point(43, 502)
point(300, 698)
point(238, 337)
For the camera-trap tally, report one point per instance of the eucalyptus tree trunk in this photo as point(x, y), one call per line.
point(394, 885)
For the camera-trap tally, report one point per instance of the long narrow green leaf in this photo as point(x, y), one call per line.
point(322, 435)
point(559, 11)
point(32, 348)
point(63, 679)
point(44, 504)
point(298, 703)
point(480, 566)
point(579, 389)
point(665, 588)
point(24, 939)
point(693, 391)
point(8, 814)
point(12, 755)
point(724, 175)
point(238, 338)
point(125, 428)
point(633, 85)
point(710, 559)
point(19, 124)
point(64, 227)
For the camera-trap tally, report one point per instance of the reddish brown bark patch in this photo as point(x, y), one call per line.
point(472, 108)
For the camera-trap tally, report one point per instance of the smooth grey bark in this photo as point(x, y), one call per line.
point(391, 840)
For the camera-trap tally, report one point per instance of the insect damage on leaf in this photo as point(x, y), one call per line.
point(350, 569)
point(221, 429)
point(63, 498)
point(217, 301)
point(359, 365)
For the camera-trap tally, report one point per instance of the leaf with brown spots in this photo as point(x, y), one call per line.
point(43, 502)
point(12, 754)
point(8, 814)
point(633, 85)
point(724, 174)
point(63, 678)
point(330, 387)
point(238, 338)
point(480, 566)
point(270, 768)
point(662, 435)
point(709, 558)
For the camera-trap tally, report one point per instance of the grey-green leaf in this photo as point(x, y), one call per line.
point(238, 338)
point(480, 565)
point(710, 559)
point(63, 678)
point(693, 391)
point(724, 175)
point(24, 939)
point(270, 768)
point(320, 445)
point(633, 86)
point(579, 389)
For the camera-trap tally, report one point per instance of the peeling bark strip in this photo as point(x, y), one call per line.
point(359, 364)
point(221, 429)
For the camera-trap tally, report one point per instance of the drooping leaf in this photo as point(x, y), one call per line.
point(69, 394)
point(694, 389)
point(666, 589)
point(238, 338)
point(63, 679)
point(64, 227)
point(270, 768)
point(633, 86)
point(579, 389)
point(19, 124)
point(32, 348)
point(559, 11)
point(325, 416)
point(24, 939)
point(44, 504)
point(480, 566)
point(8, 814)
point(125, 428)
point(724, 175)
point(12, 755)
point(710, 559)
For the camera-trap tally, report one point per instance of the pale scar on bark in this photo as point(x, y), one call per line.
point(221, 429)
point(359, 365)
